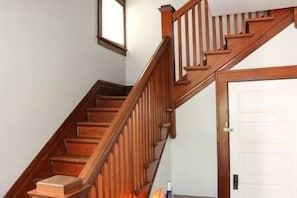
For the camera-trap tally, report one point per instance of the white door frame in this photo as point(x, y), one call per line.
point(222, 80)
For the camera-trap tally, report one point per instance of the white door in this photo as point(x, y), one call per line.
point(263, 144)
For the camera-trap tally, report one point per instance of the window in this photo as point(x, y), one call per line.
point(112, 25)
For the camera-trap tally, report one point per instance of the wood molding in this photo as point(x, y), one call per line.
point(39, 167)
point(222, 80)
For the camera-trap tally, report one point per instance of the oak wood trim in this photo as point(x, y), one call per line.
point(222, 80)
point(56, 142)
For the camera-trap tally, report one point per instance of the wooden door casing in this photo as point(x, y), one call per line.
point(222, 80)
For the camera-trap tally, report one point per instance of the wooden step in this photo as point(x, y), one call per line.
point(92, 129)
point(151, 169)
point(253, 24)
point(182, 82)
point(81, 146)
point(68, 164)
point(101, 114)
point(215, 52)
point(42, 177)
point(110, 101)
point(197, 68)
point(79, 193)
point(164, 131)
point(234, 40)
point(158, 148)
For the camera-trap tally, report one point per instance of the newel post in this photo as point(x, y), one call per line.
point(167, 31)
point(167, 23)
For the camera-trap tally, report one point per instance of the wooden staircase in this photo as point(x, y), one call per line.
point(111, 144)
point(78, 137)
point(221, 49)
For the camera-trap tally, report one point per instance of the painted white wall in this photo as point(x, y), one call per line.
point(143, 33)
point(49, 59)
point(194, 150)
point(164, 170)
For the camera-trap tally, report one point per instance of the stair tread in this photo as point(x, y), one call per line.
point(268, 18)
point(70, 158)
point(238, 36)
point(196, 68)
point(100, 109)
point(212, 52)
point(153, 163)
point(83, 140)
point(165, 125)
point(182, 82)
point(112, 97)
point(104, 124)
point(160, 142)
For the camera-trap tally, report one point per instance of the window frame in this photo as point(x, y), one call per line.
point(116, 47)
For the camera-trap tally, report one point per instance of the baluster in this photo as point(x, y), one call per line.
point(228, 25)
point(187, 39)
point(235, 24)
point(194, 36)
point(112, 180)
point(180, 56)
point(214, 34)
point(257, 14)
point(243, 28)
point(250, 15)
point(221, 33)
point(200, 35)
point(207, 26)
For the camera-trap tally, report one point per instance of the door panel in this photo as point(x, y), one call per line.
point(263, 152)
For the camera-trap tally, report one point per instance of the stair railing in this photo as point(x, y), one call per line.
point(196, 32)
point(117, 166)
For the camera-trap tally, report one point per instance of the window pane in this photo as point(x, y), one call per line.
point(113, 21)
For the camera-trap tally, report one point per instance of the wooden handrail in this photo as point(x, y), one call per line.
point(153, 90)
point(185, 8)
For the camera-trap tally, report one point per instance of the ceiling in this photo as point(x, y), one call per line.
point(222, 7)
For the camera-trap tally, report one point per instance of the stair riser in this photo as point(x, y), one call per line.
point(164, 133)
point(158, 150)
point(91, 131)
point(101, 116)
point(85, 149)
point(257, 26)
point(150, 172)
point(65, 168)
point(110, 103)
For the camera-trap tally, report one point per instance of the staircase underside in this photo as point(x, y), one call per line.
point(237, 48)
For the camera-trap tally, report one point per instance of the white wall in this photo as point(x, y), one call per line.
point(194, 150)
point(49, 59)
point(143, 33)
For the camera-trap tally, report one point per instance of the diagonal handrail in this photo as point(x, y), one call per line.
point(138, 119)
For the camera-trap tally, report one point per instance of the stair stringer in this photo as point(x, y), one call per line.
point(266, 30)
